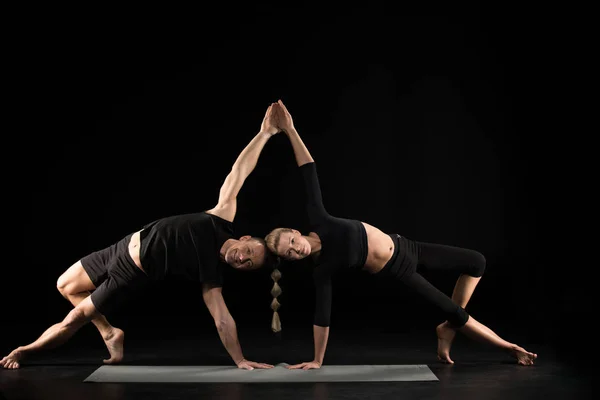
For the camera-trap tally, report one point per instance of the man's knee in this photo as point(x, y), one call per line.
point(72, 280)
point(65, 285)
point(62, 284)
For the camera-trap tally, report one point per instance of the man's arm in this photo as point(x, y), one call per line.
point(286, 124)
point(213, 298)
point(243, 166)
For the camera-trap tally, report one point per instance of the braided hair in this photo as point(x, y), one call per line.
point(272, 240)
point(275, 292)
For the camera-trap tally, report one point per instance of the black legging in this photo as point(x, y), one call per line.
point(411, 256)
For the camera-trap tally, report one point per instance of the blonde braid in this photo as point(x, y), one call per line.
point(275, 292)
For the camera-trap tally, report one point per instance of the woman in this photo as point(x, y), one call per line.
point(338, 243)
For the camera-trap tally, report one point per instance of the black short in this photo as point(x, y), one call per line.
point(115, 275)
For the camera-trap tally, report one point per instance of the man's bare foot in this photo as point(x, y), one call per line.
point(523, 356)
point(12, 361)
point(114, 342)
point(445, 335)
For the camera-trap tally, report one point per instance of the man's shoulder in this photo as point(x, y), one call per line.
point(217, 214)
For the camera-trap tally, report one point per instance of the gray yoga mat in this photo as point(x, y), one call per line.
point(204, 373)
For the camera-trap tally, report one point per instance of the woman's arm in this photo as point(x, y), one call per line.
point(321, 334)
point(321, 322)
point(322, 317)
point(308, 173)
point(286, 124)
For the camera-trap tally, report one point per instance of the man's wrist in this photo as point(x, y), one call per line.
point(240, 361)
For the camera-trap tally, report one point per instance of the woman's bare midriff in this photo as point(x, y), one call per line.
point(134, 249)
point(381, 249)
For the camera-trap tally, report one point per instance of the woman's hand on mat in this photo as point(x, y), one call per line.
point(250, 365)
point(306, 365)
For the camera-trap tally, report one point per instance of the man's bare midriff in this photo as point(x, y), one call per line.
point(381, 249)
point(134, 249)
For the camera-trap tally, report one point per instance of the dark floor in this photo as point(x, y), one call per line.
point(479, 373)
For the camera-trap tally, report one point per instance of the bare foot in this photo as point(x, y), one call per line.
point(114, 342)
point(523, 356)
point(11, 361)
point(445, 336)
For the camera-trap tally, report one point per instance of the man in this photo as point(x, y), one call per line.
point(192, 246)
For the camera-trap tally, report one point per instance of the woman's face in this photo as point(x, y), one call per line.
point(293, 246)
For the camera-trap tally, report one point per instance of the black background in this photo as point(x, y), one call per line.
point(432, 123)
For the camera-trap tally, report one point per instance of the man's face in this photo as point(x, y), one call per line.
point(246, 254)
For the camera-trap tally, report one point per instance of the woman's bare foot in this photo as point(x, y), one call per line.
point(12, 360)
point(445, 335)
point(114, 342)
point(523, 356)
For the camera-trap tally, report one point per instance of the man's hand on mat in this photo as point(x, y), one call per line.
point(306, 365)
point(250, 365)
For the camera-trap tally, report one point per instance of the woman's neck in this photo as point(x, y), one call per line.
point(315, 243)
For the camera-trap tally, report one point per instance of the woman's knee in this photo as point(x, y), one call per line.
point(478, 264)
